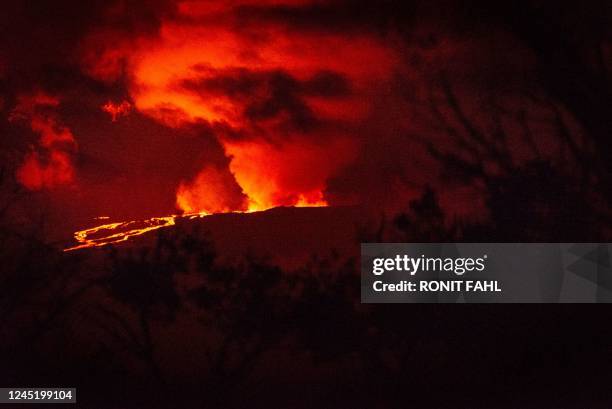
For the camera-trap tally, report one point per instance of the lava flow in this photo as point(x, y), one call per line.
point(117, 232)
point(111, 233)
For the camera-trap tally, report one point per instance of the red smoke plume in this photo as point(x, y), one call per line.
point(284, 104)
point(210, 192)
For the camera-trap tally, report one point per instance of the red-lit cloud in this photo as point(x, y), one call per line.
point(116, 110)
point(236, 105)
point(284, 103)
point(50, 163)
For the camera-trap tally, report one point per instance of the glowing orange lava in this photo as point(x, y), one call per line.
point(117, 232)
point(111, 233)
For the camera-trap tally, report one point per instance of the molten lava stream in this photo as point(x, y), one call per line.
point(117, 232)
point(122, 231)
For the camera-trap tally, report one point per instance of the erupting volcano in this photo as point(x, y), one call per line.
point(282, 105)
point(186, 187)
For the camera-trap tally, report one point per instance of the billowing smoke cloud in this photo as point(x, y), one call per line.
point(214, 106)
point(213, 190)
point(284, 104)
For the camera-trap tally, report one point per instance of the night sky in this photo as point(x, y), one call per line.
point(312, 126)
point(133, 109)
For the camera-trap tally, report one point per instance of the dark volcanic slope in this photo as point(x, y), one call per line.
point(288, 235)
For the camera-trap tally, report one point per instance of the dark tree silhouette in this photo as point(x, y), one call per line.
point(536, 188)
